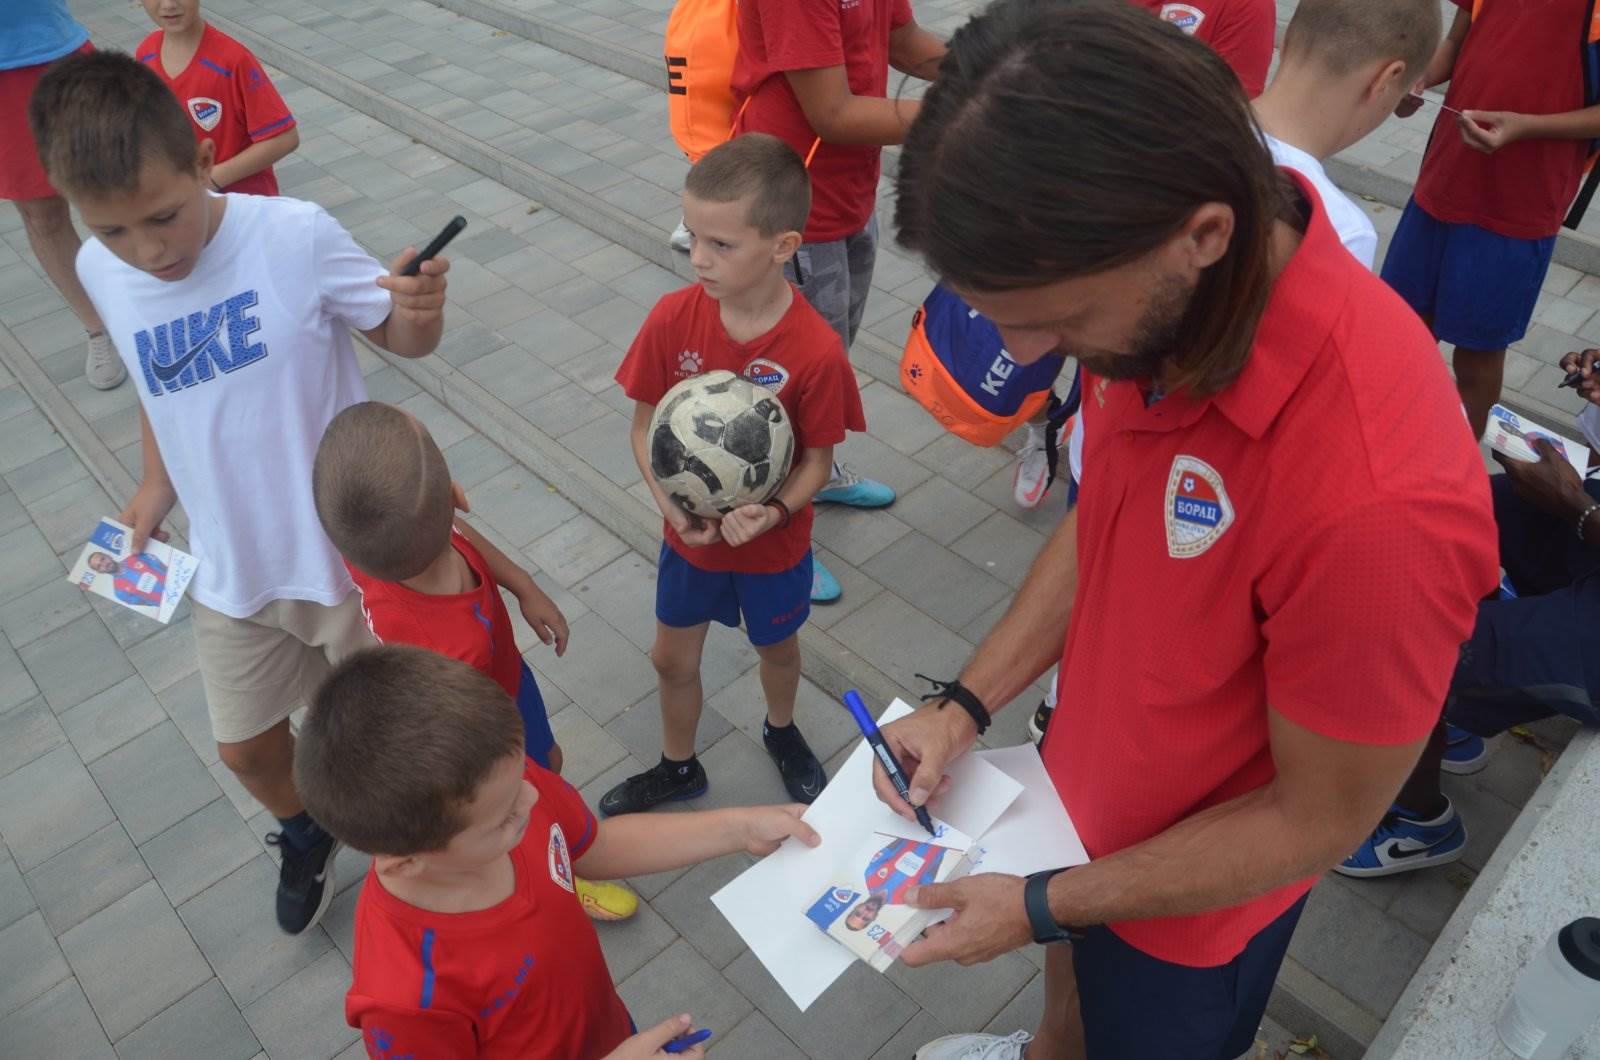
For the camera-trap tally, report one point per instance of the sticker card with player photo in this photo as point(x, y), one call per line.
point(151, 583)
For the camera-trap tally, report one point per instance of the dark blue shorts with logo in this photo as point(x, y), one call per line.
point(774, 606)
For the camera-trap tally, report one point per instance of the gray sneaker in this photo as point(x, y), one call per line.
point(679, 240)
point(976, 1047)
point(102, 367)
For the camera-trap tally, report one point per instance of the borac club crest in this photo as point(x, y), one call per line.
point(769, 374)
point(1197, 508)
point(560, 859)
point(205, 111)
point(1186, 17)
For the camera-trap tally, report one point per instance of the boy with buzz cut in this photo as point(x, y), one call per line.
point(233, 315)
point(469, 941)
point(1344, 67)
point(226, 94)
point(388, 504)
point(745, 203)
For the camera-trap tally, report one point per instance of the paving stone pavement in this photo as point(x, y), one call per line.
point(123, 833)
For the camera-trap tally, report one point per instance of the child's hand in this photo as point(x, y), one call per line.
point(647, 1044)
point(695, 530)
point(1490, 130)
point(1585, 363)
point(418, 299)
point(143, 514)
point(747, 522)
point(546, 619)
point(762, 829)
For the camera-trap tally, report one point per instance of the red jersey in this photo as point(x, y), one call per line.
point(228, 98)
point(1241, 31)
point(473, 626)
point(1516, 57)
point(801, 360)
point(776, 36)
point(522, 980)
point(1313, 539)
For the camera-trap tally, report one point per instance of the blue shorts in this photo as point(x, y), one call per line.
point(774, 606)
point(1475, 288)
point(1136, 1005)
point(536, 734)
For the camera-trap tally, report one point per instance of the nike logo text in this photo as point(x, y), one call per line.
point(190, 351)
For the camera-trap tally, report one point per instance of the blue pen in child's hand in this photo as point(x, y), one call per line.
point(684, 1042)
point(891, 765)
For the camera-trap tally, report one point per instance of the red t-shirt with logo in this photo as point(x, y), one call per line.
point(228, 97)
point(776, 36)
point(523, 979)
point(1312, 540)
point(801, 359)
point(1241, 31)
point(1516, 57)
point(473, 626)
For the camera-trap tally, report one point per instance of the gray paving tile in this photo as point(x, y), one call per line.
point(520, 506)
point(48, 805)
point(233, 923)
point(600, 672)
point(964, 998)
point(87, 877)
point(1486, 815)
point(304, 1016)
point(58, 1023)
point(823, 719)
point(638, 729)
point(1001, 546)
point(154, 781)
point(340, 921)
point(30, 962)
point(853, 1019)
point(1337, 934)
point(205, 1023)
point(25, 437)
point(754, 1036)
point(514, 375)
point(167, 657)
point(741, 774)
point(31, 562)
point(16, 686)
point(16, 901)
point(630, 944)
point(474, 460)
point(960, 591)
point(78, 661)
point(199, 850)
point(185, 704)
point(686, 905)
point(46, 609)
point(587, 749)
point(65, 516)
point(446, 427)
point(104, 722)
point(857, 589)
point(564, 410)
point(12, 513)
point(680, 980)
point(1429, 898)
point(623, 593)
point(467, 341)
point(126, 626)
point(964, 464)
point(856, 534)
point(575, 549)
point(903, 641)
point(941, 509)
point(26, 732)
point(113, 954)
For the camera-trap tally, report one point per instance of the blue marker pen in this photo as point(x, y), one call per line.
point(897, 775)
point(684, 1042)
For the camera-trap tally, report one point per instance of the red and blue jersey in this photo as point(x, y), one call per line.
point(902, 865)
point(141, 581)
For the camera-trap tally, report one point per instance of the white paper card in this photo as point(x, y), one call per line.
point(1509, 434)
point(1035, 832)
point(766, 903)
point(151, 583)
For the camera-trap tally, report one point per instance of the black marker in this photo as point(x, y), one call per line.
point(440, 241)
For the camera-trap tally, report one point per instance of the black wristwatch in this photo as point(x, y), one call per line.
point(1036, 900)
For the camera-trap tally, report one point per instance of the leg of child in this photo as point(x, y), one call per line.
point(676, 656)
point(264, 765)
point(780, 679)
point(1479, 376)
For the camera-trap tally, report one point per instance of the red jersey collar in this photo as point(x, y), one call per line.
point(1306, 300)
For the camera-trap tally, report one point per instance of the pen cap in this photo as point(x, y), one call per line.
point(858, 710)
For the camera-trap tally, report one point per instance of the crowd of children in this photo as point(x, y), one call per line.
point(337, 570)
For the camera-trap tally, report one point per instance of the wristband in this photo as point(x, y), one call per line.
point(783, 510)
point(1584, 518)
point(1036, 902)
point(959, 694)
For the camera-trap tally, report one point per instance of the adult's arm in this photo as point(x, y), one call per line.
point(839, 116)
point(915, 51)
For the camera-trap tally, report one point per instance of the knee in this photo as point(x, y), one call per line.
point(785, 654)
point(44, 217)
point(258, 757)
point(673, 668)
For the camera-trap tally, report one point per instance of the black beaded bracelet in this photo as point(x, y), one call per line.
point(959, 694)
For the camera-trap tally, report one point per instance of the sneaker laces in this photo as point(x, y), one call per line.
point(997, 1048)
point(1033, 442)
point(843, 477)
point(102, 353)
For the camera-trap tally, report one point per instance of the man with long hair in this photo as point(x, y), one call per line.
point(1288, 531)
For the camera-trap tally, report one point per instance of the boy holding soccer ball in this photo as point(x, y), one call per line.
point(745, 205)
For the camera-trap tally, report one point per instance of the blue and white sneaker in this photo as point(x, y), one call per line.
point(824, 586)
point(847, 487)
point(1401, 843)
point(1464, 752)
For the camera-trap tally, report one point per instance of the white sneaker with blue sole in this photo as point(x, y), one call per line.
point(1401, 844)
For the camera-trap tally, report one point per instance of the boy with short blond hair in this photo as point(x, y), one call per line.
point(745, 203)
point(385, 497)
point(233, 315)
point(469, 941)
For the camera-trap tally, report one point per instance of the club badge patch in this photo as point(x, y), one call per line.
point(769, 374)
point(1197, 510)
point(1186, 17)
point(560, 860)
point(205, 111)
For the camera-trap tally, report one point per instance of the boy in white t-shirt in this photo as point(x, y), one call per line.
point(232, 314)
point(1344, 67)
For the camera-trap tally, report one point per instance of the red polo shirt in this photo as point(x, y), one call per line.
point(1241, 31)
point(1314, 539)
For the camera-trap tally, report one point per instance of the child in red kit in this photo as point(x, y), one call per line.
point(744, 204)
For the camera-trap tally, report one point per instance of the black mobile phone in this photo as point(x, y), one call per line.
point(440, 241)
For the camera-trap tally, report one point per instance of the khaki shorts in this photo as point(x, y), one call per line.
point(259, 670)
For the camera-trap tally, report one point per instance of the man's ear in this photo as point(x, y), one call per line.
point(1205, 237)
point(397, 866)
point(785, 245)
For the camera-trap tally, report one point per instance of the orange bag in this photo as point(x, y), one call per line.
point(701, 44)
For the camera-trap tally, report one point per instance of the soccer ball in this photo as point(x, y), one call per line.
point(718, 441)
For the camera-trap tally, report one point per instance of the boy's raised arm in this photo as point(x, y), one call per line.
point(413, 326)
point(637, 843)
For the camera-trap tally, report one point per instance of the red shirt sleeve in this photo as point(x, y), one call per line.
point(643, 372)
point(389, 1031)
point(901, 14)
point(265, 113)
point(564, 803)
point(1408, 575)
point(801, 34)
point(1242, 35)
point(830, 404)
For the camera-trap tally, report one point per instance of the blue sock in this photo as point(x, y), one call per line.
point(301, 832)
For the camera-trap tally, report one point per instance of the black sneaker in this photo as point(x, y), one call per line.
point(660, 783)
point(1040, 721)
point(802, 773)
point(305, 881)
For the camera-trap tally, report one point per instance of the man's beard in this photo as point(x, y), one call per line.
point(1153, 340)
